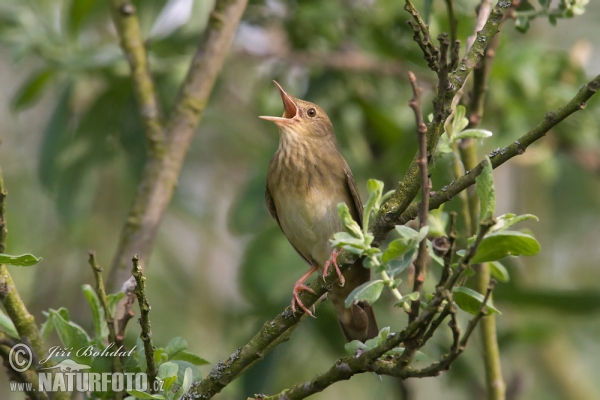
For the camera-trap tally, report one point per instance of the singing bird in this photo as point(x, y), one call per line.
point(306, 179)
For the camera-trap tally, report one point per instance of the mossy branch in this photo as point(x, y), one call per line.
point(163, 166)
point(146, 334)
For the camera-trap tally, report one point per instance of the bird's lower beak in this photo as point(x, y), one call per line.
point(290, 110)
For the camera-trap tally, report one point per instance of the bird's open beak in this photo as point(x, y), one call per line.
point(290, 110)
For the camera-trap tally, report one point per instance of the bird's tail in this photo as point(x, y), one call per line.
point(358, 321)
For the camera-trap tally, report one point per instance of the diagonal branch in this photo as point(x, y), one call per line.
point(128, 28)
point(162, 167)
point(500, 156)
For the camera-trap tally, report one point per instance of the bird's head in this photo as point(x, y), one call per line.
point(302, 119)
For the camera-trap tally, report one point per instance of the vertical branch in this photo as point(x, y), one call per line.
point(146, 335)
point(422, 161)
point(101, 292)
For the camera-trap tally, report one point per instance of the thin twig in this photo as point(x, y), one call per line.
point(423, 161)
point(451, 20)
point(101, 292)
point(146, 335)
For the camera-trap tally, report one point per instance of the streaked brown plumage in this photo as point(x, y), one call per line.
point(306, 179)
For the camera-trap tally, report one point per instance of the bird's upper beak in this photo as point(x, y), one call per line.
point(290, 109)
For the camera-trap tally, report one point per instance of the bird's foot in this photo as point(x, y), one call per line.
point(333, 261)
point(298, 288)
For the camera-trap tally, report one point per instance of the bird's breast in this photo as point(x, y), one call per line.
point(306, 197)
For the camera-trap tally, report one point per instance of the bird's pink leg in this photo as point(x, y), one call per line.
point(333, 260)
point(299, 286)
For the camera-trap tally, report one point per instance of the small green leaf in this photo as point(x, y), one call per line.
point(71, 335)
point(396, 248)
point(379, 339)
point(113, 299)
point(419, 356)
point(473, 133)
point(144, 395)
point(168, 373)
point(175, 345)
point(186, 385)
point(100, 326)
point(507, 220)
point(32, 89)
point(349, 224)
point(398, 265)
point(368, 291)
point(354, 346)
point(189, 357)
point(7, 325)
point(344, 238)
point(498, 245)
point(459, 121)
point(486, 192)
point(375, 189)
point(470, 301)
point(409, 297)
point(499, 272)
point(24, 260)
point(522, 24)
point(406, 232)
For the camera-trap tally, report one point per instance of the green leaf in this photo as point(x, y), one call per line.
point(7, 325)
point(100, 325)
point(175, 345)
point(368, 291)
point(471, 301)
point(32, 89)
point(486, 192)
point(375, 189)
point(396, 248)
point(406, 232)
point(409, 297)
point(24, 260)
point(189, 357)
point(144, 395)
point(398, 265)
point(459, 121)
point(71, 335)
point(186, 385)
point(507, 220)
point(499, 272)
point(77, 13)
point(349, 224)
point(113, 299)
point(344, 238)
point(379, 339)
point(168, 373)
point(522, 24)
point(419, 356)
point(354, 346)
point(473, 133)
point(498, 245)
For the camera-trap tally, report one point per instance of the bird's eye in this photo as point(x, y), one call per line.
point(311, 112)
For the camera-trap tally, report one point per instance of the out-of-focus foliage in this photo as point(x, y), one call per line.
point(72, 150)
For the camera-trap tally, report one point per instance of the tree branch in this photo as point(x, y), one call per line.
point(146, 334)
point(423, 161)
point(162, 168)
point(128, 29)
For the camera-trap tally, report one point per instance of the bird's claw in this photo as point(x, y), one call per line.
point(333, 260)
point(300, 287)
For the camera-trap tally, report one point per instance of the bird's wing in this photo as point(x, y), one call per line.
point(358, 206)
point(273, 211)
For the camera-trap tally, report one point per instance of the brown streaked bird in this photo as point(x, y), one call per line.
point(306, 179)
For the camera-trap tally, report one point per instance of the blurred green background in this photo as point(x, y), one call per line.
point(72, 148)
